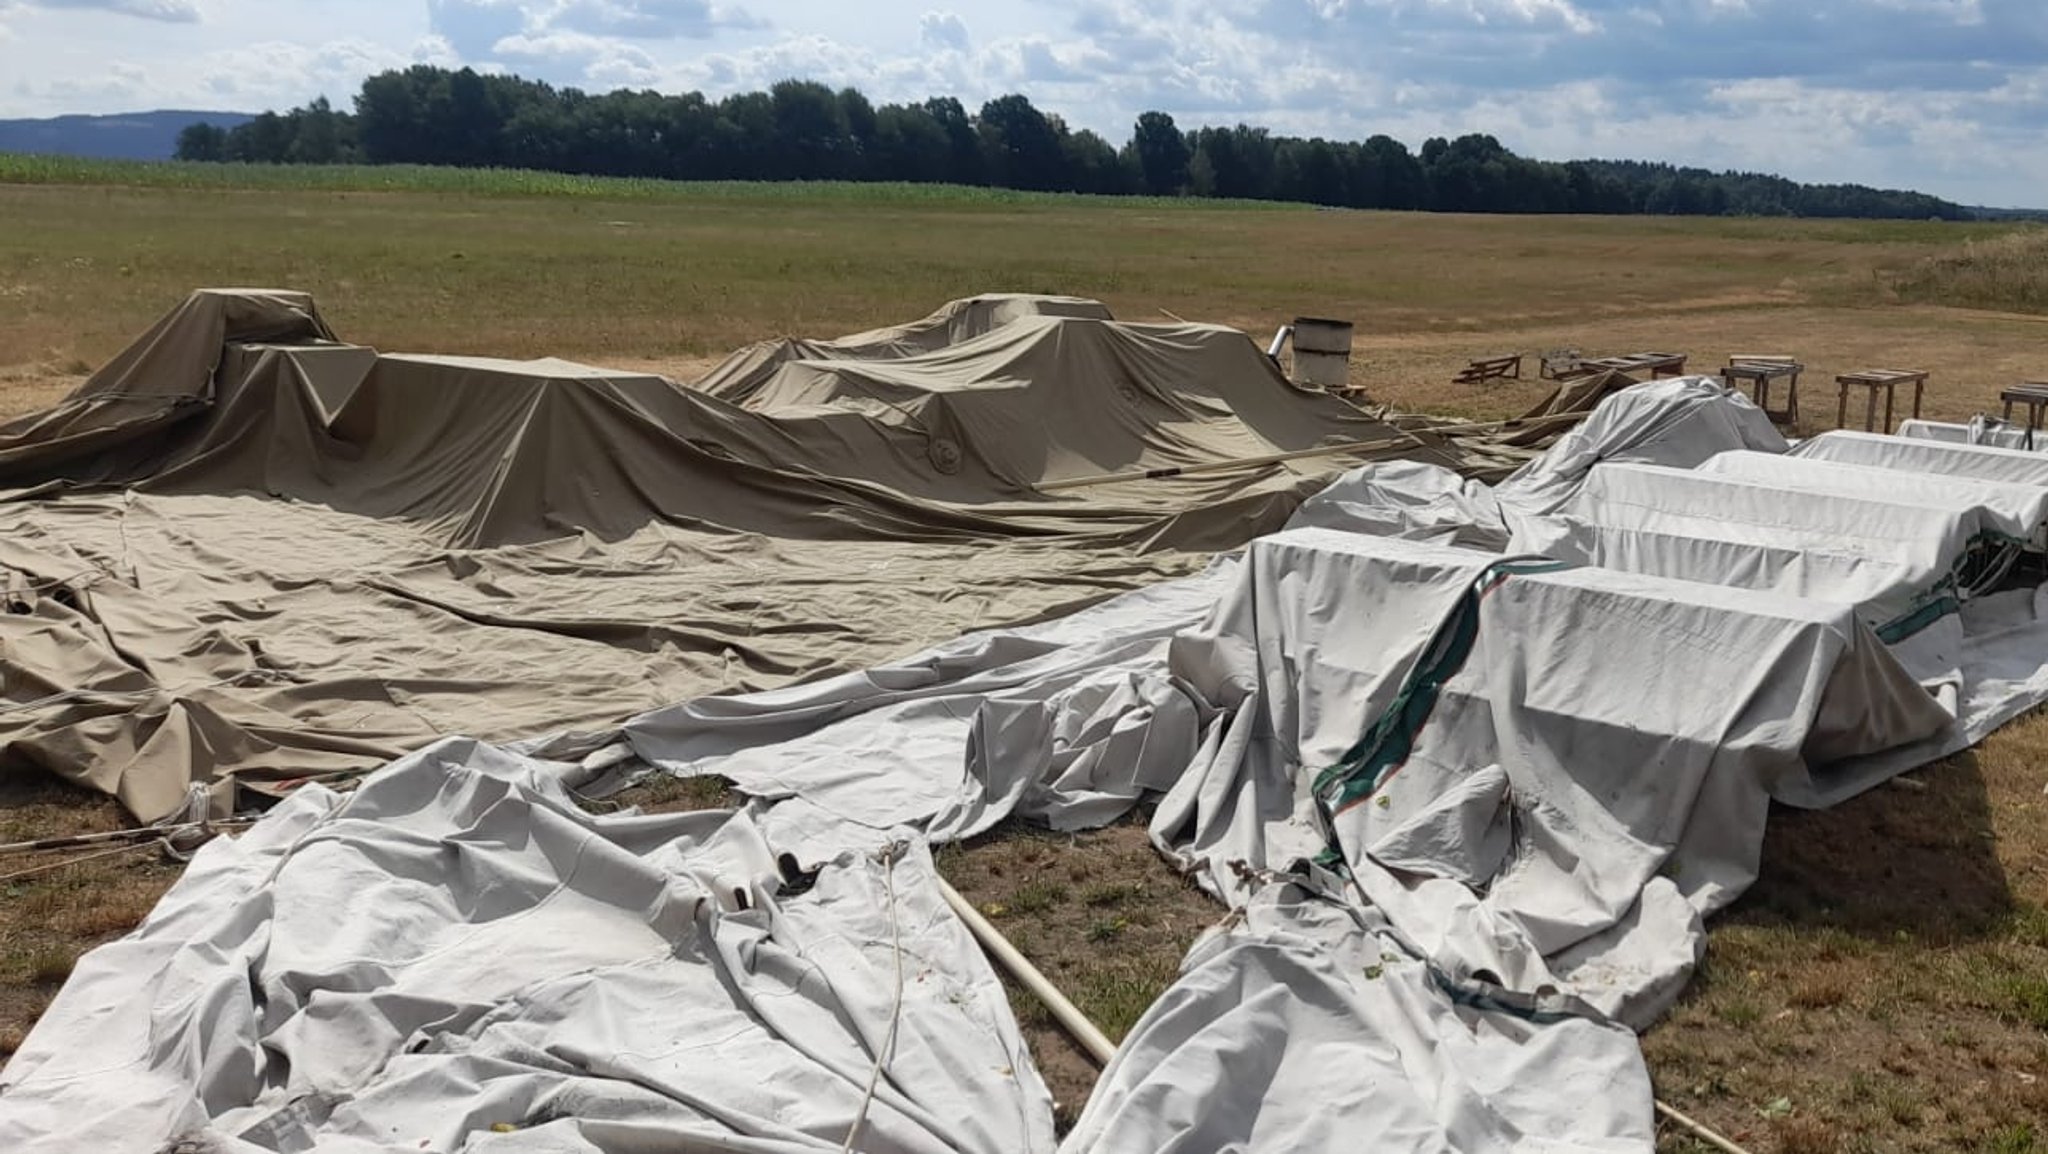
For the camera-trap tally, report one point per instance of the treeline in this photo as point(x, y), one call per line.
point(802, 130)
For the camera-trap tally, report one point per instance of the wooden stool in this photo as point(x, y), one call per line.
point(2034, 395)
point(1760, 372)
point(1873, 380)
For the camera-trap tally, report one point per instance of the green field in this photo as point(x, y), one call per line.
point(661, 274)
point(1884, 988)
point(74, 171)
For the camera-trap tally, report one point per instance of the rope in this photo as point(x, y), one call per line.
point(57, 865)
point(143, 833)
point(888, 855)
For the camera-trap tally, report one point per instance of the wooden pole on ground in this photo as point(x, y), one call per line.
point(1102, 1049)
point(1091, 1039)
point(1699, 1129)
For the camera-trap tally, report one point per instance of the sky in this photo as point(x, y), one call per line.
point(1944, 96)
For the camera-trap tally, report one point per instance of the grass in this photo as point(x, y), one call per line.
point(656, 274)
point(2009, 271)
point(1884, 978)
point(475, 183)
point(51, 916)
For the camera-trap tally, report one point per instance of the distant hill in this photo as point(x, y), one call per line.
point(128, 136)
point(1983, 212)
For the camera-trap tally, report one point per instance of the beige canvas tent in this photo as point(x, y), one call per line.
point(248, 549)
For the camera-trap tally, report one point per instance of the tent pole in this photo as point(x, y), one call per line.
point(1091, 1039)
point(1701, 1131)
point(1101, 1048)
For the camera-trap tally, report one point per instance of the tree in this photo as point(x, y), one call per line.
point(317, 135)
point(264, 140)
point(1021, 145)
point(391, 116)
point(202, 141)
point(858, 115)
point(810, 130)
point(744, 136)
point(800, 129)
point(909, 145)
point(1202, 174)
point(963, 143)
point(1091, 164)
point(1162, 154)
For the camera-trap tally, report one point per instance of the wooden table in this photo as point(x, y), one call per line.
point(1761, 372)
point(1874, 379)
point(2032, 394)
point(1656, 364)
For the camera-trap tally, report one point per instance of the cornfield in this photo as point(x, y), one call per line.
point(25, 168)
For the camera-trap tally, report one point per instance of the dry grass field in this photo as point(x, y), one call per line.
point(1885, 986)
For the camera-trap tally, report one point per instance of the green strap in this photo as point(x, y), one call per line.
point(1983, 551)
point(1387, 744)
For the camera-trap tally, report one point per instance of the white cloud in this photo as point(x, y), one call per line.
point(646, 19)
point(472, 27)
point(1950, 95)
point(942, 31)
point(279, 74)
point(478, 28)
point(171, 11)
point(118, 83)
point(436, 50)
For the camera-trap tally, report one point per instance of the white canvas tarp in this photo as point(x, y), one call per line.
point(1700, 525)
point(1914, 455)
point(1980, 430)
point(2014, 508)
point(457, 956)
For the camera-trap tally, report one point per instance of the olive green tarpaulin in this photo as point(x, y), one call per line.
point(248, 550)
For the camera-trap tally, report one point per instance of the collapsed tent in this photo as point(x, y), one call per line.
point(247, 551)
point(1469, 804)
point(738, 376)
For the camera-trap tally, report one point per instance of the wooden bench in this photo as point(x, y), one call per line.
point(1490, 368)
point(1761, 370)
point(1874, 379)
point(2032, 394)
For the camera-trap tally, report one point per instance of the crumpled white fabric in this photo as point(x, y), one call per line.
point(456, 957)
point(1564, 768)
point(1302, 1024)
point(1409, 499)
point(1680, 422)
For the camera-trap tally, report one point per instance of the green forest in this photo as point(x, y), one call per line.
point(803, 130)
